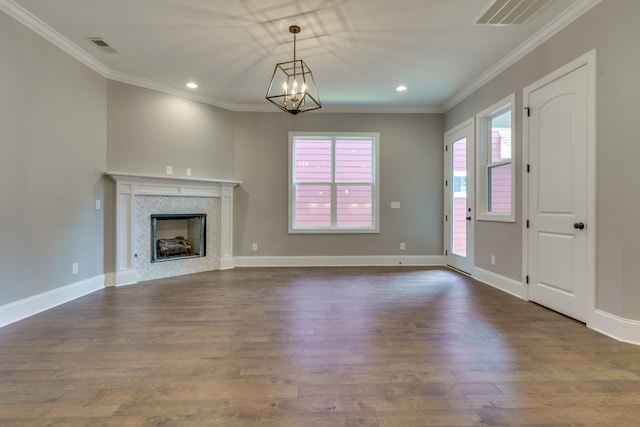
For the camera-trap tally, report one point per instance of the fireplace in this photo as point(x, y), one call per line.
point(178, 236)
point(139, 197)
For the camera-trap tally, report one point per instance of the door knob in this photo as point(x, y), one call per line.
point(579, 225)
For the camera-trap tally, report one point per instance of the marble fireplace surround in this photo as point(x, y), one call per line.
point(138, 196)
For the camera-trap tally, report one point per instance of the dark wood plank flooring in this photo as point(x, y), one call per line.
point(392, 346)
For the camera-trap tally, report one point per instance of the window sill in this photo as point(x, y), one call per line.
point(496, 217)
point(334, 231)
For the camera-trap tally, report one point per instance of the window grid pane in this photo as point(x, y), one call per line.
point(354, 205)
point(500, 137)
point(499, 183)
point(313, 206)
point(312, 161)
point(354, 160)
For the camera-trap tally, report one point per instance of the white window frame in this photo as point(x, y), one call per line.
point(483, 136)
point(375, 227)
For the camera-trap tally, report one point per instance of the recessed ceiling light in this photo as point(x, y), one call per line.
point(401, 88)
point(192, 85)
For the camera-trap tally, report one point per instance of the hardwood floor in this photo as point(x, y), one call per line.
point(312, 347)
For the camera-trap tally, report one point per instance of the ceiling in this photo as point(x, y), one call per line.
point(359, 50)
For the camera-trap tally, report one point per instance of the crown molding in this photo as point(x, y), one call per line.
point(35, 24)
point(548, 31)
point(268, 108)
point(39, 27)
point(425, 109)
point(153, 85)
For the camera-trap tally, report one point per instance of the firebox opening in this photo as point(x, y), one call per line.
point(178, 236)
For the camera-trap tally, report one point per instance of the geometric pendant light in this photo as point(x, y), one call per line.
point(292, 87)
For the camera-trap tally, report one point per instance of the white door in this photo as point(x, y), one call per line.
point(559, 192)
point(458, 180)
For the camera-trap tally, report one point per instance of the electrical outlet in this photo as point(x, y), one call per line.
point(402, 246)
point(493, 260)
point(188, 171)
point(254, 247)
point(169, 170)
point(74, 268)
point(98, 204)
point(395, 205)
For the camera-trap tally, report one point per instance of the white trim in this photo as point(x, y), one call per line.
point(463, 264)
point(339, 261)
point(21, 309)
point(621, 329)
point(588, 60)
point(158, 87)
point(48, 33)
point(36, 25)
point(227, 263)
point(131, 185)
point(334, 136)
point(505, 284)
point(624, 330)
point(482, 160)
point(552, 28)
point(109, 279)
point(125, 277)
point(129, 176)
point(44, 30)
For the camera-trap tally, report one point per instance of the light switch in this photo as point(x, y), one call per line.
point(395, 205)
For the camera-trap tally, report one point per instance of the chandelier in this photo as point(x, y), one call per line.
point(292, 87)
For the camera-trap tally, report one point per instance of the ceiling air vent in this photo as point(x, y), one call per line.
point(102, 45)
point(510, 12)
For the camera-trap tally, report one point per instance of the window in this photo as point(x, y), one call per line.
point(496, 171)
point(333, 183)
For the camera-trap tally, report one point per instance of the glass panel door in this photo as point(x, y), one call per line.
point(458, 179)
point(459, 197)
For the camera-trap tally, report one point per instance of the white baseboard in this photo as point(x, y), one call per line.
point(125, 278)
point(21, 309)
point(503, 283)
point(625, 330)
point(338, 261)
point(227, 263)
point(109, 279)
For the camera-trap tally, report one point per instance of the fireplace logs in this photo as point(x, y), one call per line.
point(178, 246)
point(190, 236)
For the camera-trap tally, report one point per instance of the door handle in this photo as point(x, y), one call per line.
point(468, 218)
point(579, 225)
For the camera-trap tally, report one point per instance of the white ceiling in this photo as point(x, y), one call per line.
point(358, 50)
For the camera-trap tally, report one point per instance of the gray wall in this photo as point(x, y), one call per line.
point(55, 126)
point(148, 131)
point(611, 28)
point(53, 133)
point(410, 173)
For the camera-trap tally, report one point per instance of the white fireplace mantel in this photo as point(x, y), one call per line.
point(131, 185)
